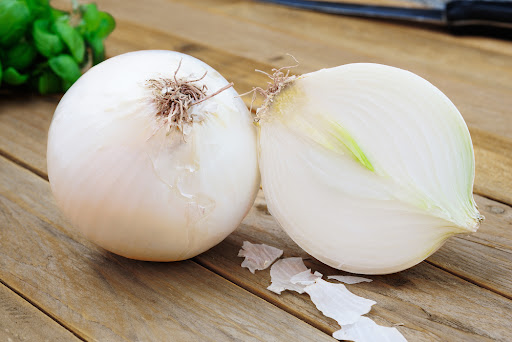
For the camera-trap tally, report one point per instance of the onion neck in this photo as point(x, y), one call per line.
point(173, 98)
point(280, 80)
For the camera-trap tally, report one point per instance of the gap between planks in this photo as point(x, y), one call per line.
point(46, 313)
point(219, 273)
point(316, 324)
point(225, 275)
point(320, 325)
point(44, 176)
point(472, 281)
point(23, 164)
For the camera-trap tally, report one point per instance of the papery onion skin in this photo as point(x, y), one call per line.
point(367, 167)
point(135, 190)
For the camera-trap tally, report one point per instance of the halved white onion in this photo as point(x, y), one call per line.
point(367, 167)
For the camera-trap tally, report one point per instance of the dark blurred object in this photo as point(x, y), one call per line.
point(475, 17)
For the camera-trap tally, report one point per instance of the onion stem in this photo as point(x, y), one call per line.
point(174, 97)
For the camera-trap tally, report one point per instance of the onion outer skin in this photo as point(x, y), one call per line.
point(131, 188)
point(367, 167)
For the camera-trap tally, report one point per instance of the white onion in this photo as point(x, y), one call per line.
point(138, 187)
point(369, 168)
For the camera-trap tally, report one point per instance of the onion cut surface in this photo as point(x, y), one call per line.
point(367, 167)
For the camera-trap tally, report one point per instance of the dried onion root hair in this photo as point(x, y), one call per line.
point(174, 97)
point(279, 79)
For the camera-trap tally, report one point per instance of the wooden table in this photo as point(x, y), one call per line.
point(56, 286)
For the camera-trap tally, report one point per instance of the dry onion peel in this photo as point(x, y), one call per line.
point(282, 272)
point(337, 302)
point(305, 278)
point(258, 256)
point(367, 167)
point(366, 330)
point(152, 155)
point(334, 300)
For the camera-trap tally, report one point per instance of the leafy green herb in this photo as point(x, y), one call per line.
point(65, 67)
point(48, 82)
point(48, 43)
point(13, 77)
point(46, 48)
point(98, 50)
point(14, 20)
point(72, 38)
point(38, 8)
point(20, 56)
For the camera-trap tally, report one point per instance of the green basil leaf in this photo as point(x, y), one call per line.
point(47, 43)
point(14, 21)
point(65, 67)
point(48, 83)
point(38, 8)
point(85, 62)
point(90, 19)
point(98, 50)
point(13, 77)
point(56, 14)
point(66, 85)
point(20, 56)
point(106, 25)
point(72, 39)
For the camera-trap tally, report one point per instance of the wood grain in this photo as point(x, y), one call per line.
point(433, 305)
point(23, 128)
point(425, 318)
point(319, 41)
point(493, 158)
point(459, 294)
point(20, 321)
point(104, 297)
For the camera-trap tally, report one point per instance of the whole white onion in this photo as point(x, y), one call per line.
point(138, 186)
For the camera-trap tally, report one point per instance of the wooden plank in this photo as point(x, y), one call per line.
point(25, 140)
point(483, 110)
point(442, 59)
point(495, 230)
point(20, 321)
point(433, 305)
point(491, 269)
point(493, 158)
point(23, 127)
point(321, 41)
point(316, 23)
point(101, 296)
point(459, 257)
point(414, 323)
point(24, 124)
